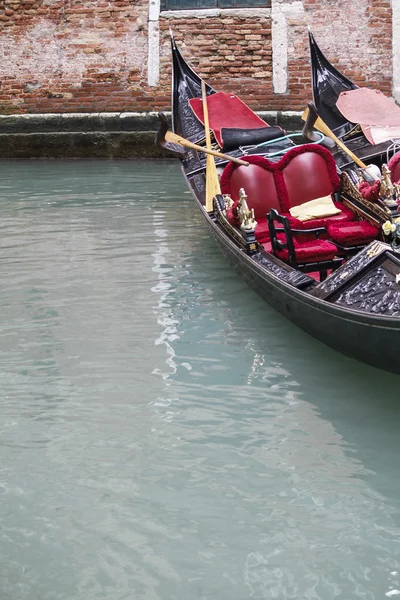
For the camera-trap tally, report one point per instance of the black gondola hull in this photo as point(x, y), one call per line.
point(355, 310)
point(370, 339)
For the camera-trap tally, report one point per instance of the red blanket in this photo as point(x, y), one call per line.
point(226, 111)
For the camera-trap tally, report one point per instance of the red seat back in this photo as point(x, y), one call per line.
point(308, 177)
point(304, 173)
point(253, 179)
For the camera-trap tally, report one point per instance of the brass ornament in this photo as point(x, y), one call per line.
point(388, 191)
point(375, 249)
point(227, 201)
point(246, 215)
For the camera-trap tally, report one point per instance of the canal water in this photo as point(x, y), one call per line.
point(165, 435)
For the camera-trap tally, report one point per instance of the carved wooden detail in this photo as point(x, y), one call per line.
point(283, 271)
point(378, 293)
point(352, 267)
point(365, 209)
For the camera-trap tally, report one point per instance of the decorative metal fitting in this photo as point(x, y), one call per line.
point(246, 215)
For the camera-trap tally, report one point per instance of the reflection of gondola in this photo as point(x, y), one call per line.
point(343, 289)
point(327, 85)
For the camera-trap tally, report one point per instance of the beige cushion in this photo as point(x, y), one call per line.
point(315, 209)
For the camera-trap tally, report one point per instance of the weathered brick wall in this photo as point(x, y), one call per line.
point(356, 37)
point(91, 55)
point(73, 55)
point(234, 54)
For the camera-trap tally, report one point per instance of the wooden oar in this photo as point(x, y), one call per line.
point(168, 140)
point(177, 139)
point(323, 128)
point(212, 182)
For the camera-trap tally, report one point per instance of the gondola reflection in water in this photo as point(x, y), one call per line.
point(316, 240)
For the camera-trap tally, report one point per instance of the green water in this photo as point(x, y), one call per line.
point(165, 435)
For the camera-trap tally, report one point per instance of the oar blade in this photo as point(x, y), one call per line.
point(212, 183)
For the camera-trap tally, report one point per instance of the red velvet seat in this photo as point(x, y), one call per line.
point(309, 175)
point(302, 174)
point(314, 255)
point(252, 179)
point(343, 217)
point(354, 233)
point(226, 111)
point(307, 172)
point(312, 251)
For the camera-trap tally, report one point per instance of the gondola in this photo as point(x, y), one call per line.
point(327, 85)
point(337, 277)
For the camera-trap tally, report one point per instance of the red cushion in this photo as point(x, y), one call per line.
point(262, 231)
point(353, 233)
point(314, 251)
point(344, 216)
point(226, 110)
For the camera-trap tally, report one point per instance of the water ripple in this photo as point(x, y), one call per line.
point(164, 433)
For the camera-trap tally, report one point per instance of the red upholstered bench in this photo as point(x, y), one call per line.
point(304, 173)
point(314, 251)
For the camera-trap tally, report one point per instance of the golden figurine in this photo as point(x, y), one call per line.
point(246, 215)
point(389, 192)
point(360, 178)
point(386, 189)
point(227, 201)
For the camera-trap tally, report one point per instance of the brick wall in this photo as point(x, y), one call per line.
point(233, 54)
point(73, 55)
point(356, 37)
point(91, 55)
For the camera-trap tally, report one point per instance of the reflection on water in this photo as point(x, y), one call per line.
point(164, 433)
